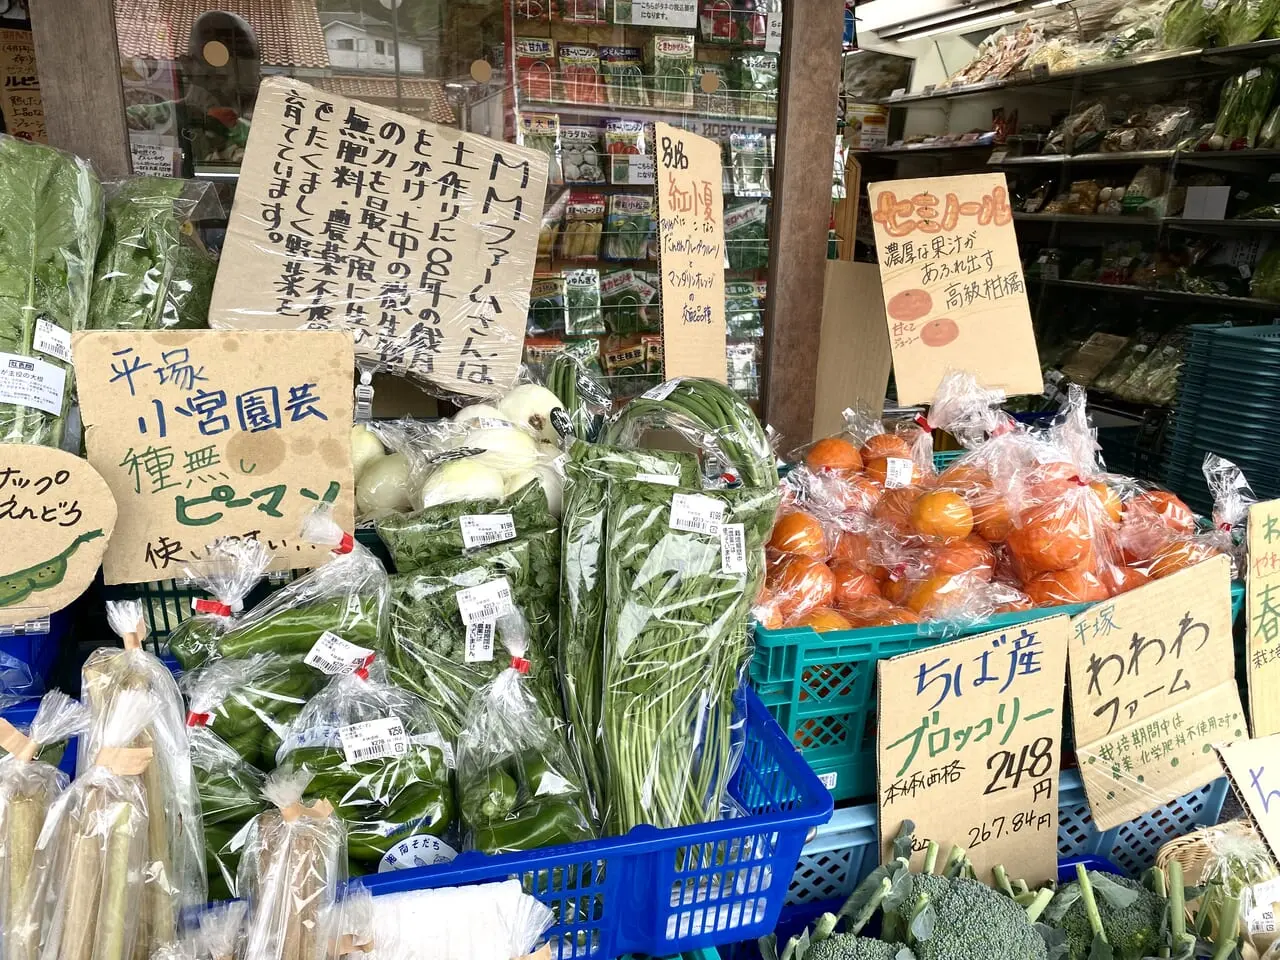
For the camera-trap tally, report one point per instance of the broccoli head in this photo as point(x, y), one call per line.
point(847, 946)
point(1133, 931)
point(974, 922)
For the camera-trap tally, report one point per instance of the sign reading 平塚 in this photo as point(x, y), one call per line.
point(954, 293)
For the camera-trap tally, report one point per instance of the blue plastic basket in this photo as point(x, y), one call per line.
point(36, 651)
point(21, 715)
point(666, 891)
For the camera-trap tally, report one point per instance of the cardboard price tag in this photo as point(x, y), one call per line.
point(1262, 611)
point(57, 517)
point(953, 284)
point(1152, 689)
point(20, 100)
point(202, 434)
point(1254, 769)
point(968, 746)
point(691, 254)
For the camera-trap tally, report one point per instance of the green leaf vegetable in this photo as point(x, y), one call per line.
point(1265, 283)
point(1185, 24)
point(1129, 915)
point(1244, 104)
point(50, 225)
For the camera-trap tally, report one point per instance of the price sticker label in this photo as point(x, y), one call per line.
point(663, 478)
point(332, 655)
point(662, 390)
point(898, 472)
point(489, 601)
point(695, 513)
point(479, 642)
point(51, 340)
point(733, 548)
point(829, 779)
point(374, 739)
point(481, 530)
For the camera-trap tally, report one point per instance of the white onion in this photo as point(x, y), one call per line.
point(365, 448)
point(459, 480)
point(383, 486)
point(506, 449)
point(530, 405)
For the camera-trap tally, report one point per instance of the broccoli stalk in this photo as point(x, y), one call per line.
point(1228, 927)
point(1177, 904)
point(1002, 880)
point(868, 909)
point(1038, 903)
point(1090, 904)
point(930, 857)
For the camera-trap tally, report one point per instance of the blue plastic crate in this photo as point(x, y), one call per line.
point(21, 715)
point(666, 891)
point(28, 653)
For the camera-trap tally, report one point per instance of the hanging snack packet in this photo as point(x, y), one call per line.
point(28, 787)
point(175, 842)
point(518, 788)
point(230, 570)
point(295, 859)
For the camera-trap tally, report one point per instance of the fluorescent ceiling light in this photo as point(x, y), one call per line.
point(954, 26)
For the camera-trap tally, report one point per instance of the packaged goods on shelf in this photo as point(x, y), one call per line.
point(624, 79)
point(582, 155)
point(547, 305)
point(630, 227)
point(583, 226)
point(670, 61)
point(579, 65)
point(535, 67)
point(757, 81)
point(541, 131)
point(752, 164)
point(583, 316)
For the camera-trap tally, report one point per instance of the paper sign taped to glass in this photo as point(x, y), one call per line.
point(1153, 688)
point(1263, 612)
point(418, 239)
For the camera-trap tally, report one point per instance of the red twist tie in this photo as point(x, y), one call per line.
point(198, 719)
point(1224, 527)
point(728, 478)
point(520, 664)
point(923, 423)
point(1078, 482)
point(214, 607)
point(1004, 427)
point(345, 545)
point(362, 671)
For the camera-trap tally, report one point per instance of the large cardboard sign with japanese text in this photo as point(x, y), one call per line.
point(1153, 687)
point(56, 519)
point(418, 239)
point(1253, 767)
point(968, 746)
point(953, 286)
point(691, 254)
point(1263, 612)
point(203, 434)
point(20, 100)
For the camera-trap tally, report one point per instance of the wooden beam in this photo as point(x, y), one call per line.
point(80, 81)
point(810, 74)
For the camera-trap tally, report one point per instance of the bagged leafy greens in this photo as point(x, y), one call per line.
point(1265, 282)
point(1186, 23)
point(152, 272)
point(50, 224)
point(1244, 104)
point(1243, 21)
point(231, 568)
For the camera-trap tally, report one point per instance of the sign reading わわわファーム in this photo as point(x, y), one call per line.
point(953, 287)
point(205, 434)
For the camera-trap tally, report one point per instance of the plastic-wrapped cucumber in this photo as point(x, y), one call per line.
point(1245, 102)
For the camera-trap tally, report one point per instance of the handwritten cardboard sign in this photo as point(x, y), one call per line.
point(1253, 767)
point(970, 735)
point(56, 518)
point(20, 100)
point(691, 254)
point(1263, 613)
point(418, 239)
point(1153, 687)
point(202, 434)
point(953, 286)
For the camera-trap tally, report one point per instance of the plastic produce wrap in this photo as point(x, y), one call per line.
point(49, 235)
point(1236, 864)
point(1265, 282)
point(229, 572)
point(28, 787)
point(1186, 23)
point(295, 859)
point(711, 416)
point(584, 397)
point(93, 889)
point(175, 842)
point(439, 646)
point(221, 930)
point(682, 568)
point(152, 271)
point(375, 753)
point(1232, 498)
point(1243, 21)
point(518, 787)
point(394, 458)
point(588, 473)
point(1243, 107)
point(447, 531)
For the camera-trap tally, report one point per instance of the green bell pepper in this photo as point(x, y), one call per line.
point(294, 630)
point(542, 823)
point(491, 798)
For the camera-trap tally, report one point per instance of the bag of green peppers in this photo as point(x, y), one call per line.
point(374, 751)
point(230, 796)
point(518, 787)
point(446, 531)
point(230, 569)
point(445, 658)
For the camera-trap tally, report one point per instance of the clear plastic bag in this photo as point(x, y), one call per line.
point(229, 571)
point(93, 892)
point(221, 931)
point(295, 859)
point(29, 784)
point(586, 401)
point(175, 848)
point(375, 753)
point(1237, 864)
point(682, 569)
point(1232, 497)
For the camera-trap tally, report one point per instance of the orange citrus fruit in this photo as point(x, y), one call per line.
point(877, 469)
point(852, 583)
point(863, 609)
point(894, 508)
point(834, 453)
point(992, 519)
point(892, 617)
point(1175, 514)
point(823, 619)
point(881, 445)
point(1051, 536)
point(1179, 555)
point(801, 584)
point(1110, 500)
point(799, 533)
point(1076, 585)
point(970, 555)
point(942, 514)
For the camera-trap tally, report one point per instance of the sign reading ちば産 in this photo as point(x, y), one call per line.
point(1153, 688)
point(418, 239)
point(1263, 613)
point(205, 434)
point(953, 285)
point(969, 738)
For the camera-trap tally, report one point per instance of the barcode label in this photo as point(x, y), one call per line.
point(733, 548)
point(480, 530)
point(374, 739)
point(332, 655)
point(51, 340)
point(479, 642)
point(489, 601)
point(1266, 893)
point(828, 779)
point(662, 478)
point(662, 390)
point(489, 423)
point(695, 513)
point(897, 472)
point(1261, 920)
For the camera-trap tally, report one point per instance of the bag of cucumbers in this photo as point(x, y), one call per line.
point(230, 569)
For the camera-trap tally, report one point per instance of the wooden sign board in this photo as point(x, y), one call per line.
point(1153, 687)
point(969, 739)
point(20, 100)
point(1253, 766)
point(953, 286)
point(203, 434)
point(1262, 610)
point(56, 519)
point(418, 239)
point(691, 254)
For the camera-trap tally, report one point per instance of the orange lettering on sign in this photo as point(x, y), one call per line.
point(900, 218)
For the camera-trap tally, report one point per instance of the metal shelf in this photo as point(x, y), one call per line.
point(1045, 159)
point(605, 111)
point(1097, 219)
point(1173, 296)
point(1167, 223)
point(894, 151)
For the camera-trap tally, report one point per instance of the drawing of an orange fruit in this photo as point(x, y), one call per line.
point(910, 305)
point(938, 333)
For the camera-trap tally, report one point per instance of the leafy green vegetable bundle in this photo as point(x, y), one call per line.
point(151, 274)
point(682, 569)
point(50, 225)
point(1244, 104)
point(230, 796)
point(428, 649)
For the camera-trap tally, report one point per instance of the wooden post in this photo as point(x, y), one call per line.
point(80, 81)
point(810, 70)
